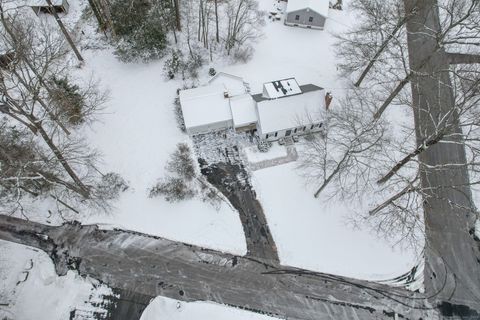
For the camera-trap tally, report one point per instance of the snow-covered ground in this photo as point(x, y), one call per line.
point(136, 136)
point(316, 234)
point(275, 151)
point(30, 288)
point(169, 309)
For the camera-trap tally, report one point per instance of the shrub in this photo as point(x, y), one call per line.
point(177, 110)
point(181, 162)
point(173, 189)
point(173, 64)
point(67, 100)
point(243, 54)
point(110, 186)
point(212, 72)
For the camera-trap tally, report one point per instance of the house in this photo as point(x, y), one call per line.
point(284, 108)
point(307, 13)
point(206, 109)
point(42, 6)
point(234, 84)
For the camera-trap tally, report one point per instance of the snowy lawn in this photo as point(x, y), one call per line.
point(164, 308)
point(30, 288)
point(136, 136)
point(315, 234)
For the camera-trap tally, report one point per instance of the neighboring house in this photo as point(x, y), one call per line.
point(41, 6)
point(307, 13)
point(283, 108)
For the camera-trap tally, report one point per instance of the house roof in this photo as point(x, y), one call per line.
point(205, 105)
point(235, 85)
point(288, 112)
point(281, 88)
point(43, 3)
point(243, 110)
point(319, 6)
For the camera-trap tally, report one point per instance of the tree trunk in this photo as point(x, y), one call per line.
point(65, 32)
point(217, 35)
point(452, 269)
point(101, 22)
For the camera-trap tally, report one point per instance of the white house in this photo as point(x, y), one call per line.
point(282, 109)
point(235, 85)
point(307, 13)
point(206, 109)
point(285, 108)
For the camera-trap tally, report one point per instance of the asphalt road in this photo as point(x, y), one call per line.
point(152, 266)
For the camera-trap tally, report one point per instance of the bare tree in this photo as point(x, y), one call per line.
point(341, 154)
point(243, 22)
point(433, 46)
point(51, 161)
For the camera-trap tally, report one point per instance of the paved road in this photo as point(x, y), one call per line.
point(232, 180)
point(153, 266)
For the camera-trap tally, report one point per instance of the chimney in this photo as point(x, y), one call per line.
point(328, 100)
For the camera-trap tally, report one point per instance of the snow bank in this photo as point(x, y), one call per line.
point(164, 308)
point(32, 290)
point(275, 151)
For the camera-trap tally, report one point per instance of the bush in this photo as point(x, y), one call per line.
point(177, 110)
point(243, 54)
point(212, 72)
point(173, 189)
point(181, 163)
point(173, 64)
point(110, 186)
point(67, 100)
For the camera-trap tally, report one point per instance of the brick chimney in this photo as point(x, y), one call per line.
point(328, 100)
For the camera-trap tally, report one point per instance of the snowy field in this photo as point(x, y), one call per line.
point(136, 135)
point(316, 234)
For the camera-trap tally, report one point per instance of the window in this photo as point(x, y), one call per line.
point(320, 125)
point(266, 137)
point(304, 128)
point(289, 132)
point(276, 133)
point(295, 131)
point(297, 17)
point(310, 19)
point(313, 126)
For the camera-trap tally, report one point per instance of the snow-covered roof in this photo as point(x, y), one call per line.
point(205, 105)
point(281, 88)
point(289, 112)
point(319, 6)
point(235, 85)
point(243, 110)
point(43, 3)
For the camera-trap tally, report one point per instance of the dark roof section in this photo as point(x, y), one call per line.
point(305, 88)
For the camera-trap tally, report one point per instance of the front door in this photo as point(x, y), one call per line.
point(289, 132)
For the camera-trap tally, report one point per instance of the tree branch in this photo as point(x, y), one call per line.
point(424, 146)
point(463, 58)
